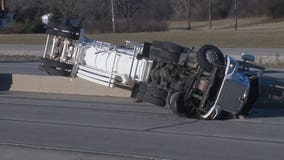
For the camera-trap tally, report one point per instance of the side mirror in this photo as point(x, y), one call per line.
point(248, 57)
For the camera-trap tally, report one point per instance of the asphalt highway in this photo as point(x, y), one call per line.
point(21, 68)
point(120, 127)
point(116, 128)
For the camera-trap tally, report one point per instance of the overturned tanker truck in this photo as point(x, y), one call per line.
point(200, 83)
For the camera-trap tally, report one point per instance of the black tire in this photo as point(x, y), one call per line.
point(151, 94)
point(56, 64)
point(71, 29)
point(143, 87)
point(152, 90)
point(164, 56)
point(145, 51)
point(139, 90)
point(51, 25)
point(154, 100)
point(64, 31)
point(176, 103)
point(65, 28)
point(69, 32)
point(154, 74)
point(169, 46)
point(157, 44)
point(170, 56)
point(209, 56)
point(51, 31)
point(54, 72)
point(172, 47)
point(68, 35)
point(42, 68)
point(155, 92)
point(139, 96)
point(154, 53)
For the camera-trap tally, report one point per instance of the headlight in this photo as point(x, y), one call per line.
point(232, 67)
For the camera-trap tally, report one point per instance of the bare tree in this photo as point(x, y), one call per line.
point(183, 6)
point(236, 15)
point(68, 8)
point(210, 14)
point(128, 8)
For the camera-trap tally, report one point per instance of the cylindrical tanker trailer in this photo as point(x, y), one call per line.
point(69, 53)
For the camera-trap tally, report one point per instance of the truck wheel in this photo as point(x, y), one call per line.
point(53, 71)
point(154, 100)
point(63, 31)
point(51, 25)
point(68, 35)
point(164, 56)
point(52, 63)
point(170, 56)
point(69, 31)
point(155, 74)
point(157, 44)
point(42, 68)
point(176, 103)
point(172, 47)
point(169, 46)
point(56, 72)
point(51, 31)
point(209, 56)
point(139, 96)
point(151, 94)
point(154, 91)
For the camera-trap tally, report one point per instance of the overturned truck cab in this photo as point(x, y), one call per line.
point(199, 83)
point(202, 83)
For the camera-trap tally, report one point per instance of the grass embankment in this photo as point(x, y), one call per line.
point(225, 38)
point(28, 39)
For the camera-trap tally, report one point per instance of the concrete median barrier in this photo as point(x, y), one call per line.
point(62, 85)
point(271, 88)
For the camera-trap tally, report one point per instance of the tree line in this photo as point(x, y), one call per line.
point(134, 15)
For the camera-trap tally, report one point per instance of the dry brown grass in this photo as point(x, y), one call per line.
point(228, 39)
point(22, 38)
point(252, 33)
point(254, 23)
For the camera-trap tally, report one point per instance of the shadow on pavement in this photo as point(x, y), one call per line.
point(271, 99)
point(267, 112)
point(5, 82)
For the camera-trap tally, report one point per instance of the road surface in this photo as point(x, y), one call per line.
point(117, 126)
point(21, 49)
point(21, 68)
